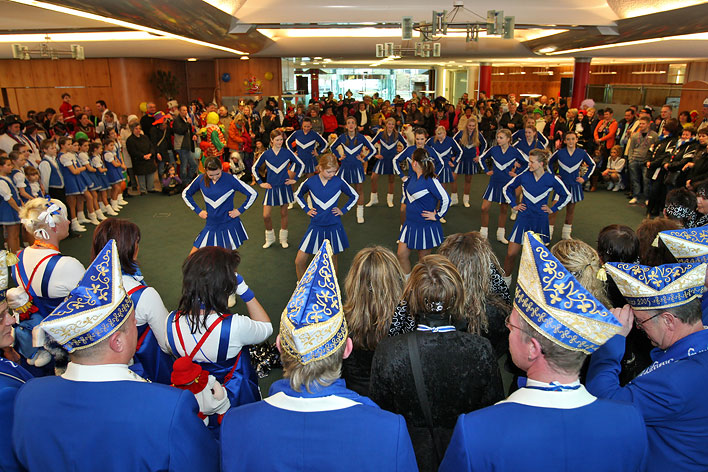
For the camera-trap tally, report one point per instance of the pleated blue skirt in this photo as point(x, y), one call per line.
point(114, 174)
point(421, 235)
point(527, 222)
point(576, 191)
point(352, 175)
point(74, 184)
point(8, 215)
point(315, 236)
point(445, 176)
point(495, 192)
point(383, 166)
point(230, 235)
point(310, 162)
point(87, 181)
point(280, 195)
point(467, 167)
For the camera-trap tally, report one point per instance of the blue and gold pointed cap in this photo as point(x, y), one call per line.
point(688, 244)
point(556, 305)
point(655, 288)
point(94, 310)
point(312, 326)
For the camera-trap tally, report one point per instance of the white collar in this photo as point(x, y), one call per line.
point(100, 373)
point(564, 399)
point(309, 405)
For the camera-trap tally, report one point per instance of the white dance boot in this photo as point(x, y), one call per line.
point(92, 219)
point(484, 231)
point(389, 200)
point(567, 229)
point(500, 236)
point(269, 238)
point(76, 226)
point(466, 201)
point(513, 215)
point(360, 214)
point(453, 199)
point(100, 216)
point(374, 200)
point(116, 206)
point(283, 236)
point(81, 217)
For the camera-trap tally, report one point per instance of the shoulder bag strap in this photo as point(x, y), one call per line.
point(414, 355)
point(202, 340)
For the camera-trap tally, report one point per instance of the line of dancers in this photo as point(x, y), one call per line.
point(429, 168)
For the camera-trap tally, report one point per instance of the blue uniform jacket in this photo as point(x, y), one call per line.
point(325, 198)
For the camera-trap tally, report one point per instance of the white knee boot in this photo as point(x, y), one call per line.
point(500, 236)
point(453, 199)
point(283, 236)
point(374, 199)
point(466, 201)
point(389, 200)
point(360, 214)
point(566, 231)
point(484, 231)
point(269, 238)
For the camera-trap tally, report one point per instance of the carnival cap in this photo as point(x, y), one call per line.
point(94, 310)
point(687, 245)
point(312, 326)
point(654, 288)
point(158, 118)
point(556, 305)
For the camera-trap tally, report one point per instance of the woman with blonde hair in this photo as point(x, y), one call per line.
point(486, 294)
point(437, 372)
point(473, 145)
point(373, 287)
point(583, 262)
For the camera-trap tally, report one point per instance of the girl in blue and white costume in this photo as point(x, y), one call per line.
point(74, 185)
point(223, 226)
point(504, 158)
point(536, 184)
point(529, 140)
point(448, 151)
point(387, 140)
point(520, 134)
point(278, 185)
point(570, 159)
point(308, 146)
point(325, 189)
point(352, 161)
point(103, 185)
point(87, 176)
point(427, 204)
point(473, 145)
point(9, 205)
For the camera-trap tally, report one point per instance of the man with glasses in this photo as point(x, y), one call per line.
point(552, 422)
point(665, 303)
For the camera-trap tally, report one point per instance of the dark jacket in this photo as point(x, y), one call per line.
point(137, 148)
point(183, 134)
point(699, 171)
point(162, 140)
point(517, 120)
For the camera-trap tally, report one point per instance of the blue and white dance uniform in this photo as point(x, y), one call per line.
point(73, 184)
point(448, 151)
point(502, 165)
point(525, 148)
point(569, 170)
point(87, 176)
point(308, 147)
point(12, 377)
point(20, 180)
point(536, 194)
point(520, 135)
point(407, 156)
point(351, 168)
point(465, 162)
point(325, 224)
point(100, 178)
point(388, 149)
point(8, 215)
point(220, 229)
point(277, 174)
point(423, 195)
point(114, 174)
point(50, 173)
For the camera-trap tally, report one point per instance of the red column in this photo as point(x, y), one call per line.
point(315, 83)
point(485, 79)
point(581, 78)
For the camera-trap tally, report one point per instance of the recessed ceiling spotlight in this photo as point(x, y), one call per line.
point(245, 58)
point(192, 59)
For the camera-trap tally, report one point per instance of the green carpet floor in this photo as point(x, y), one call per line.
point(168, 229)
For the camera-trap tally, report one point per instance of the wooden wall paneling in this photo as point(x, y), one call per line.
point(97, 73)
point(242, 70)
point(200, 80)
point(37, 99)
point(693, 94)
point(69, 73)
point(697, 70)
point(12, 100)
point(44, 72)
point(15, 73)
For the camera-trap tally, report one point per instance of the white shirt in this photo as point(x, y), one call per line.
point(244, 331)
point(100, 373)
point(151, 310)
point(35, 189)
point(564, 399)
point(66, 275)
point(45, 171)
point(5, 190)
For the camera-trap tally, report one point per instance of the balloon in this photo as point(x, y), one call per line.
point(225, 77)
point(245, 83)
point(268, 75)
point(143, 107)
point(258, 82)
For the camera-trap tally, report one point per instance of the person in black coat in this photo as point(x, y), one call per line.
point(144, 157)
point(184, 141)
point(659, 155)
point(459, 370)
point(512, 120)
point(363, 119)
point(697, 170)
point(161, 137)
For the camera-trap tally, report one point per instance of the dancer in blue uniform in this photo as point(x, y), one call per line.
point(223, 225)
point(448, 151)
point(308, 146)
point(427, 202)
point(86, 176)
point(315, 420)
point(520, 134)
point(277, 159)
point(99, 415)
point(387, 140)
point(529, 140)
point(670, 394)
point(553, 327)
point(536, 184)
point(569, 160)
point(103, 185)
point(473, 146)
point(9, 205)
point(114, 175)
point(74, 186)
point(505, 159)
point(49, 170)
point(324, 189)
point(352, 160)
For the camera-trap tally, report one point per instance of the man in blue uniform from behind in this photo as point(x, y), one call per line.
point(551, 422)
point(312, 421)
point(99, 415)
point(665, 303)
